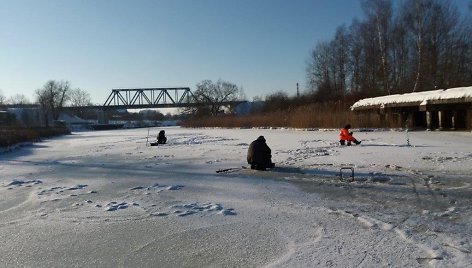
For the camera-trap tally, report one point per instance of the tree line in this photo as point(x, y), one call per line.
point(71, 96)
point(51, 98)
point(209, 95)
point(54, 95)
point(399, 47)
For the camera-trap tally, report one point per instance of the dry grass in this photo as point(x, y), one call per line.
point(14, 134)
point(310, 116)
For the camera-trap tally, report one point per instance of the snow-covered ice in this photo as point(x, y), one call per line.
point(105, 199)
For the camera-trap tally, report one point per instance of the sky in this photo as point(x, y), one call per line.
point(261, 46)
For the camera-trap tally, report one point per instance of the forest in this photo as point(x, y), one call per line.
point(397, 47)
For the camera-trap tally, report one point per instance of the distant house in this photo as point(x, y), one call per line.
point(441, 109)
point(245, 108)
point(31, 117)
point(74, 123)
point(28, 117)
point(6, 118)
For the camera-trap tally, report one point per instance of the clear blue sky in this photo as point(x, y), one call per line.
point(97, 45)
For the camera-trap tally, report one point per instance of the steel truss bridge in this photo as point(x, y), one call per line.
point(142, 98)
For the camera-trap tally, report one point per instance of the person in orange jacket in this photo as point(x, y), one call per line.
point(346, 135)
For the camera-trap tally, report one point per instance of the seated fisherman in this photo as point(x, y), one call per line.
point(259, 155)
point(346, 135)
point(161, 138)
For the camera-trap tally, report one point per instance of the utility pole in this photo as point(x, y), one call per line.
point(298, 92)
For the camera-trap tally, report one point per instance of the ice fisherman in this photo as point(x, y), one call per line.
point(259, 154)
point(345, 135)
point(161, 137)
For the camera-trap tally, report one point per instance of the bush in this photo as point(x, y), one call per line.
point(309, 116)
point(15, 134)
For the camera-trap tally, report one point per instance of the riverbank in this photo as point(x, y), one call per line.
point(12, 135)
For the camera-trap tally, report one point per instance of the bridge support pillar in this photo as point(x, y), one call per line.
point(101, 117)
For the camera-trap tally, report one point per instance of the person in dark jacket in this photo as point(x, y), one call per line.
point(161, 138)
point(259, 155)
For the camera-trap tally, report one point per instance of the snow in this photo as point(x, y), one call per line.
point(105, 199)
point(419, 98)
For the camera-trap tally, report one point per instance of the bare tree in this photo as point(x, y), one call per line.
point(328, 68)
point(79, 97)
point(2, 98)
point(417, 12)
point(356, 58)
point(443, 45)
point(423, 45)
point(379, 15)
point(320, 72)
point(18, 99)
point(440, 44)
point(211, 95)
point(400, 62)
point(465, 36)
point(341, 61)
point(151, 115)
point(277, 101)
point(52, 97)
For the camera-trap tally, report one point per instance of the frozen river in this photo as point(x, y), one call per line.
point(106, 199)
